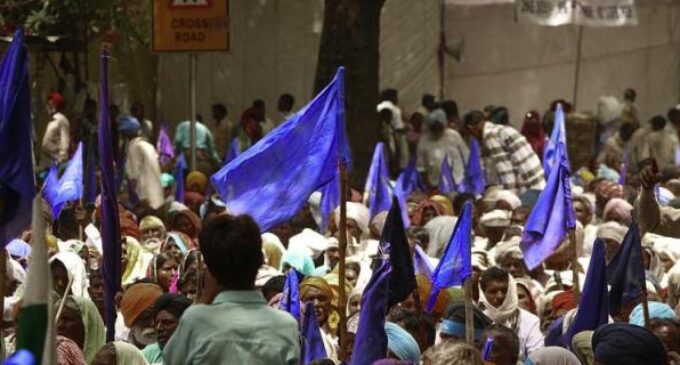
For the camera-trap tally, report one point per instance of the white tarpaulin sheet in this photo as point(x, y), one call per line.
point(594, 13)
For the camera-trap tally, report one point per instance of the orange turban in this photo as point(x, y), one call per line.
point(138, 298)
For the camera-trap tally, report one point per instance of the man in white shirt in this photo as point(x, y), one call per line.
point(398, 145)
point(57, 135)
point(438, 143)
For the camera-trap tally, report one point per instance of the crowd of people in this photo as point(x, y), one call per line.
point(201, 286)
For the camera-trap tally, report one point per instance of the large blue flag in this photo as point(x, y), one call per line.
point(552, 216)
point(17, 185)
point(446, 182)
point(290, 301)
point(474, 181)
point(593, 309)
point(370, 344)
point(67, 188)
point(456, 263)
point(330, 199)
point(402, 278)
point(626, 272)
point(312, 342)
point(557, 137)
point(378, 183)
point(233, 151)
point(273, 179)
point(110, 223)
point(180, 167)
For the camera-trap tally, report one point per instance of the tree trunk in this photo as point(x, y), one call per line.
point(351, 38)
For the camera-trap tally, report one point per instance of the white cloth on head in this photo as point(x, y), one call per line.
point(308, 242)
point(94, 238)
point(440, 230)
point(76, 271)
point(613, 231)
point(496, 218)
point(357, 212)
point(510, 198)
point(314, 202)
point(509, 306)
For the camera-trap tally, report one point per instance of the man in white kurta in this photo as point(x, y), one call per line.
point(141, 164)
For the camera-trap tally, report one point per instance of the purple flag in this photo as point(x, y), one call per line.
point(179, 178)
point(402, 278)
point(557, 137)
point(446, 182)
point(371, 340)
point(421, 262)
point(290, 302)
point(626, 272)
point(377, 183)
point(164, 147)
point(552, 216)
point(68, 187)
point(110, 224)
point(17, 185)
point(474, 182)
point(312, 342)
point(233, 151)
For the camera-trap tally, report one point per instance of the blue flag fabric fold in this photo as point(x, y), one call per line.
point(273, 179)
point(290, 301)
point(557, 137)
point(446, 182)
point(164, 147)
point(378, 183)
point(312, 342)
point(330, 199)
point(180, 167)
point(402, 277)
point(407, 182)
point(474, 181)
point(17, 185)
point(110, 226)
point(593, 309)
point(421, 263)
point(67, 188)
point(370, 344)
point(456, 264)
point(552, 216)
point(626, 272)
point(233, 151)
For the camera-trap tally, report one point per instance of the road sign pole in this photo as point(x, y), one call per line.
point(192, 86)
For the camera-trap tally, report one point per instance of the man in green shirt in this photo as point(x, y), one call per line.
point(238, 327)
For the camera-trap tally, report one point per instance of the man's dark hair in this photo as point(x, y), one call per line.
point(427, 101)
point(389, 95)
point(189, 276)
point(456, 312)
point(627, 129)
point(673, 115)
point(630, 94)
point(473, 117)
point(417, 324)
point(658, 123)
point(220, 108)
point(450, 108)
point(494, 273)
point(258, 103)
point(273, 286)
point(232, 250)
point(287, 101)
point(385, 115)
point(498, 330)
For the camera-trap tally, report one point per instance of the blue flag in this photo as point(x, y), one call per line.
point(446, 182)
point(370, 344)
point(273, 179)
point(474, 182)
point(180, 167)
point(290, 301)
point(402, 278)
point(330, 199)
point(552, 216)
point(407, 182)
point(378, 183)
point(110, 226)
point(557, 137)
point(67, 188)
point(626, 272)
point(593, 309)
point(456, 263)
point(312, 342)
point(233, 151)
point(90, 179)
point(17, 185)
point(164, 147)
point(421, 263)
point(487, 349)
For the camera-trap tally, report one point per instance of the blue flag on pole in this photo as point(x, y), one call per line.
point(180, 167)
point(378, 183)
point(290, 301)
point(407, 182)
point(312, 342)
point(557, 137)
point(593, 309)
point(446, 182)
point(330, 199)
point(552, 216)
point(456, 264)
point(272, 180)
point(67, 188)
point(110, 227)
point(626, 272)
point(17, 185)
point(370, 344)
point(402, 278)
point(233, 151)
point(164, 147)
point(474, 181)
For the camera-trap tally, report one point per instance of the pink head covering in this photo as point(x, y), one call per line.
point(618, 210)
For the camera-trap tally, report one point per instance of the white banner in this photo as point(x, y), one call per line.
point(594, 13)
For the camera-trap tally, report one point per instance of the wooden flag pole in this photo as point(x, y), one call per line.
point(342, 297)
point(576, 287)
point(469, 322)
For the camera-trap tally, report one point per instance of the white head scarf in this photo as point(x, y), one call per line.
point(76, 271)
point(440, 230)
point(502, 314)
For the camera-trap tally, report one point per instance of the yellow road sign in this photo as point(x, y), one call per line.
point(190, 25)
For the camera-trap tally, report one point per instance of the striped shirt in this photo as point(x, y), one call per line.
point(509, 159)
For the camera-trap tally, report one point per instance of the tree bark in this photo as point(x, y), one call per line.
point(351, 37)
